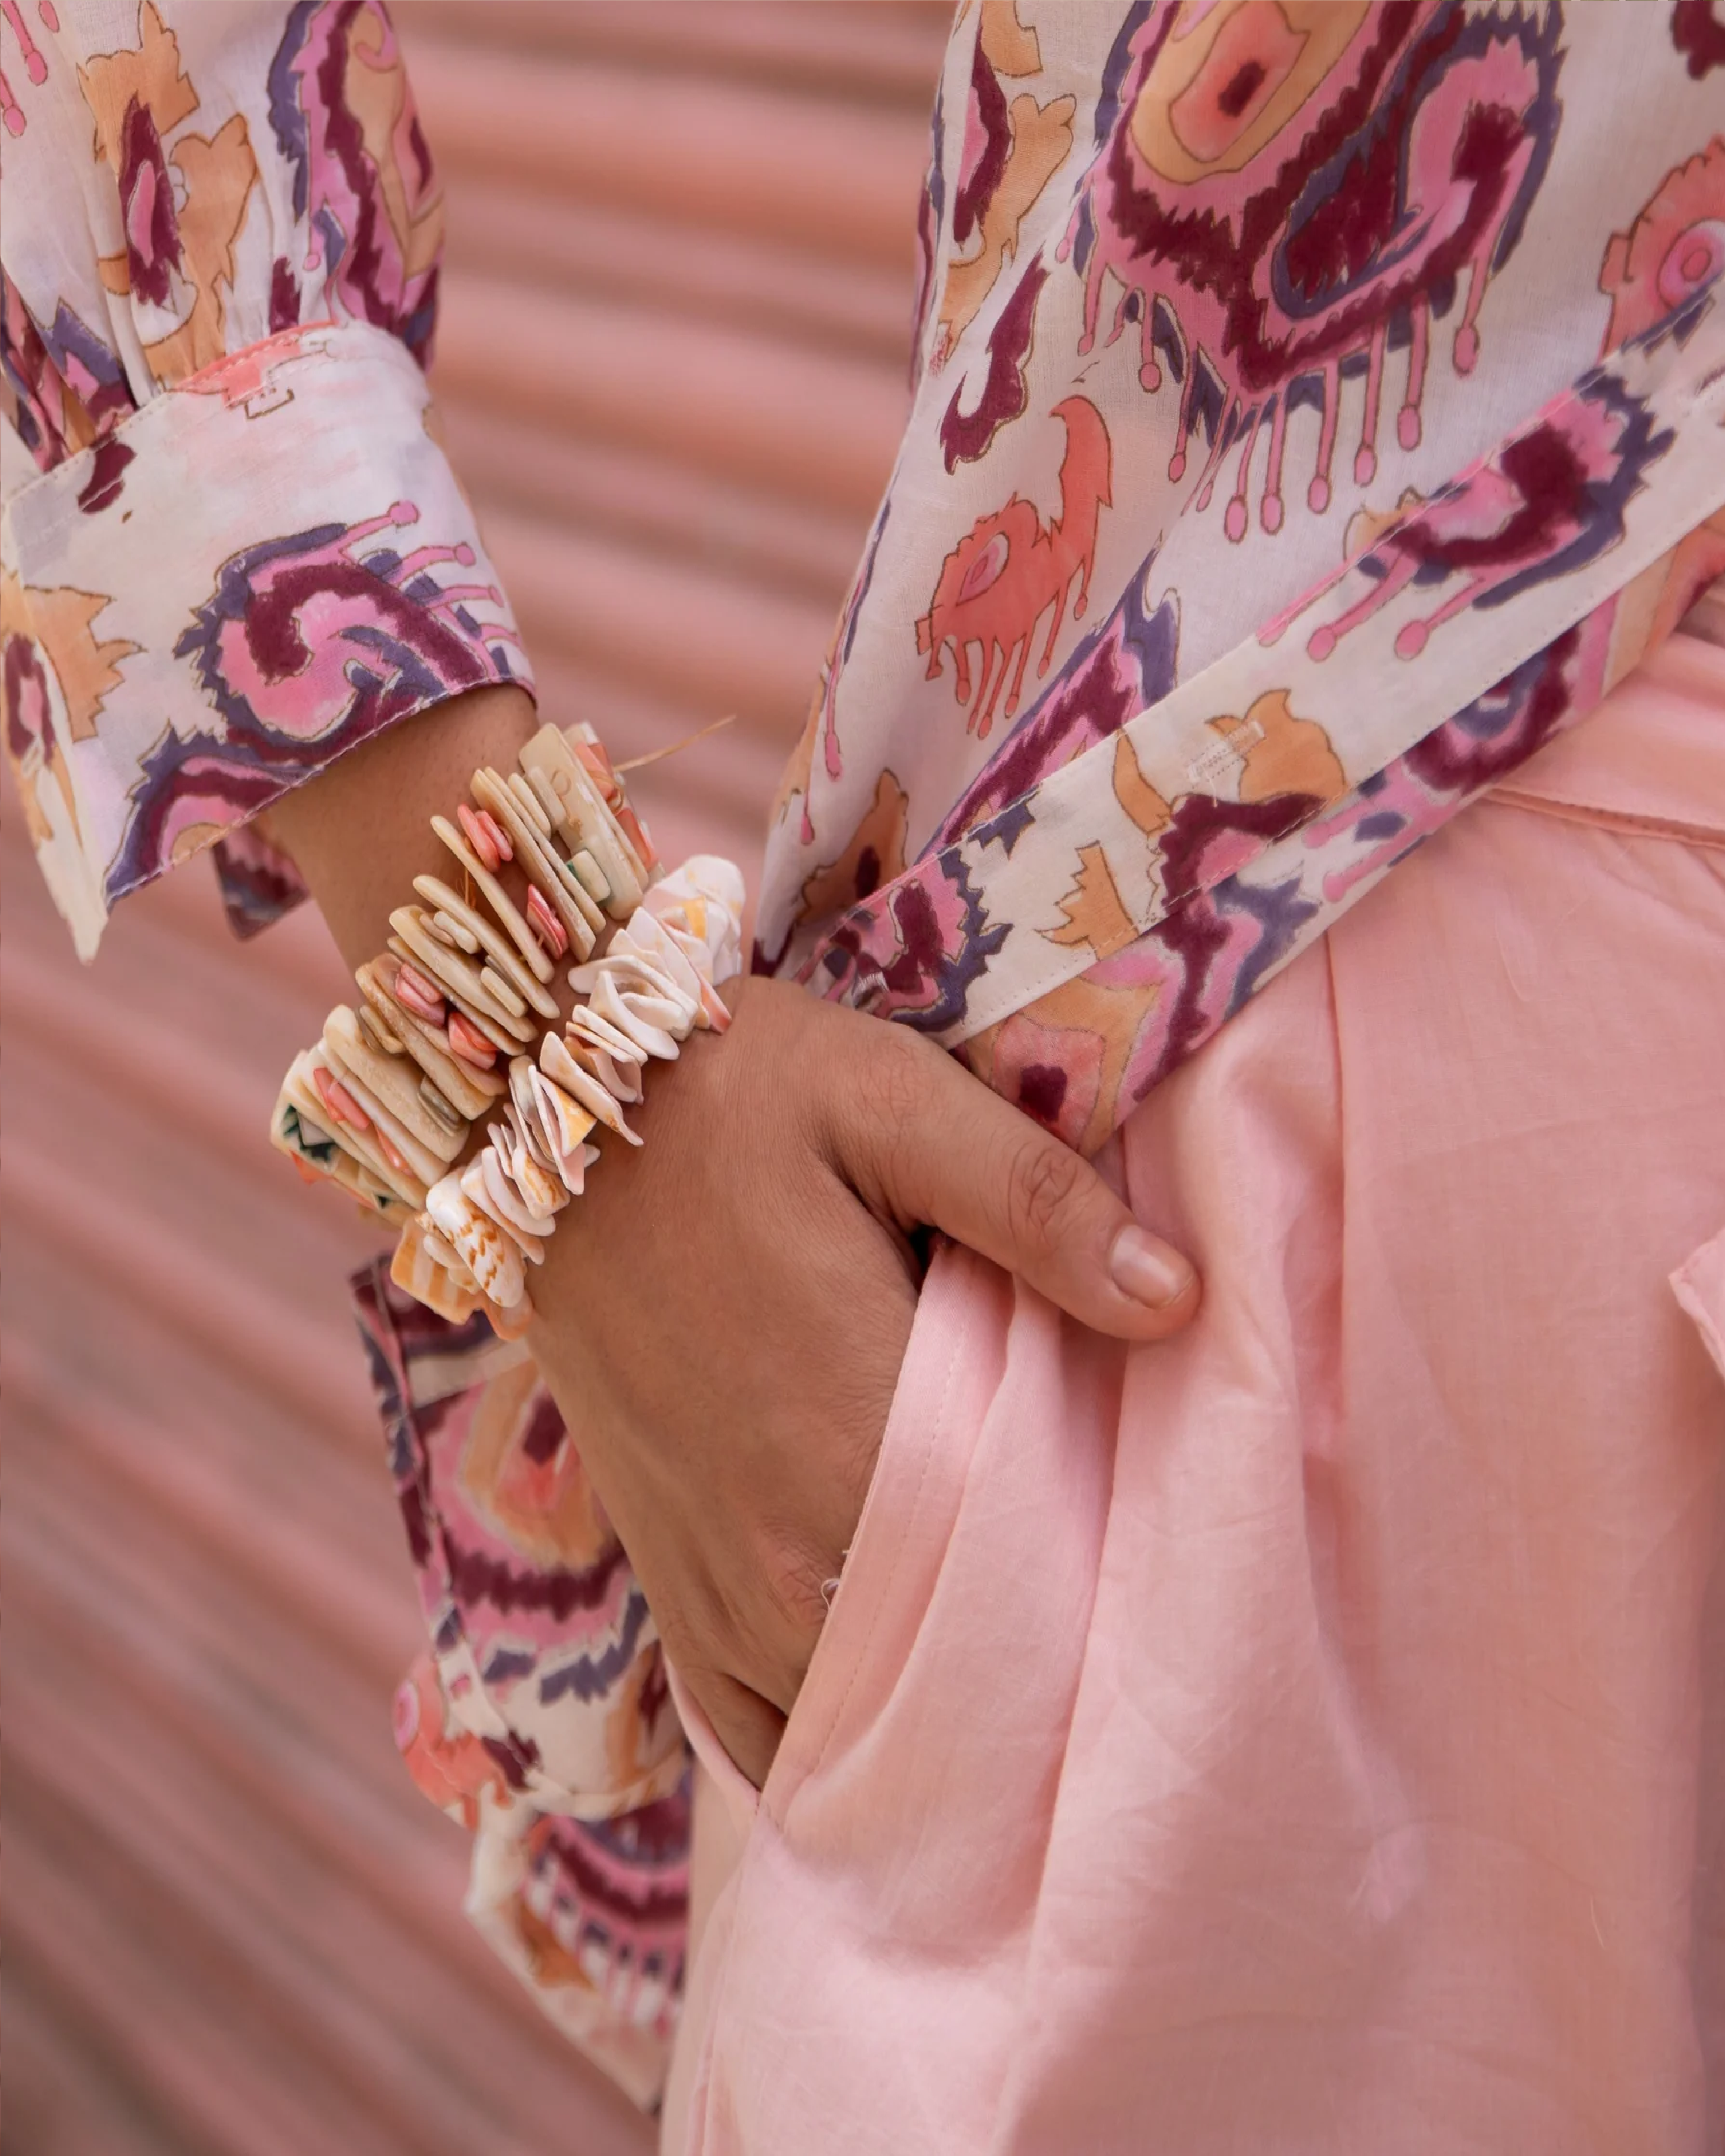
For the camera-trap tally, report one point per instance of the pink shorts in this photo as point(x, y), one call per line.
point(1309, 1735)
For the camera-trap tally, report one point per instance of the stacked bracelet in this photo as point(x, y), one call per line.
point(458, 1020)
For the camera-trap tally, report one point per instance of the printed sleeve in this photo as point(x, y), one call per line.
point(231, 548)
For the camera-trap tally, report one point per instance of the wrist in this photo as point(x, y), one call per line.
point(360, 832)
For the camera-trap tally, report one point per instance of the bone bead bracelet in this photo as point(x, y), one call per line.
point(386, 1105)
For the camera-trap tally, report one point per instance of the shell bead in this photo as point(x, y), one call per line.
point(441, 1109)
point(379, 1035)
point(415, 993)
point(457, 933)
point(340, 1102)
point(531, 807)
point(503, 909)
point(471, 1091)
point(478, 1241)
point(552, 931)
point(487, 1183)
point(536, 856)
point(392, 1153)
point(476, 936)
point(470, 1044)
point(486, 836)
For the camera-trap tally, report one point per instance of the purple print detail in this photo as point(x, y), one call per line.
point(258, 883)
point(914, 950)
point(57, 374)
point(1220, 937)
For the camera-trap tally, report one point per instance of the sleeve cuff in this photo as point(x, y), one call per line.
point(263, 566)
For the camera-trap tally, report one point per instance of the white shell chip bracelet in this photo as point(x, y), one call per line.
point(444, 1034)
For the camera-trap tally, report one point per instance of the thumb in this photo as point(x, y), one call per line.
point(930, 1145)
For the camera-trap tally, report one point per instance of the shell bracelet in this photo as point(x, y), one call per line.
point(457, 1021)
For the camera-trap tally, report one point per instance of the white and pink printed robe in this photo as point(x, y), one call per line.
point(1306, 1736)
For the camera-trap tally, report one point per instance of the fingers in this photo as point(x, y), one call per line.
point(938, 1147)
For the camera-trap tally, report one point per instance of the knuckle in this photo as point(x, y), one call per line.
point(1043, 1182)
point(794, 1579)
point(688, 1644)
point(891, 1089)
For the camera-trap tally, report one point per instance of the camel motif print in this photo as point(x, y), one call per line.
point(1267, 750)
point(1286, 193)
point(1010, 568)
point(1214, 296)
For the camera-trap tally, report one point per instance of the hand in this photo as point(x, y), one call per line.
point(723, 1314)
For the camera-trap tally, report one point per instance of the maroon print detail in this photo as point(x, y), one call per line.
point(1257, 270)
point(476, 1576)
point(988, 138)
point(1501, 729)
point(109, 459)
point(1551, 500)
point(1042, 1091)
point(965, 435)
point(26, 684)
point(284, 297)
point(146, 206)
point(1204, 834)
point(1698, 34)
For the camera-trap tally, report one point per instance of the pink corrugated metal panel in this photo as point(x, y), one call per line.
point(672, 371)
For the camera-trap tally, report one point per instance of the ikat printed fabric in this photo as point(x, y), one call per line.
point(231, 549)
point(540, 1716)
point(1316, 408)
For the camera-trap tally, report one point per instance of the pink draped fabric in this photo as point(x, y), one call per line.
point(1308, 1735)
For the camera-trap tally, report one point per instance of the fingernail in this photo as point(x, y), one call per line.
point(1147, 1270)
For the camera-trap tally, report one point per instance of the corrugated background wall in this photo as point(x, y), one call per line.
point(672, 367)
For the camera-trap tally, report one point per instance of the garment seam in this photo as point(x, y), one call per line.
point(1674, 830)
point(378, 340)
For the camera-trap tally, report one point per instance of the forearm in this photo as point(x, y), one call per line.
point(360, 831)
